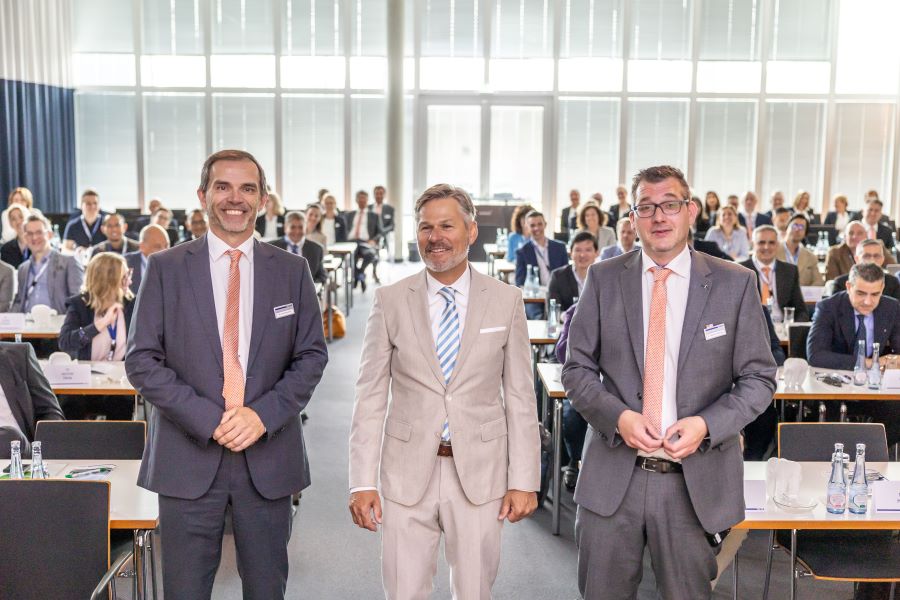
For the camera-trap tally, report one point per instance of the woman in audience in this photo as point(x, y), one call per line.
point(96, 326)
point(620, 209)
point(712, 205)
point(15, 251)
point(729, 235)
point(333, 226)
point(270, 224)
point(20, 196)
point(840, 216)
point(518, 234)
point(592, 219)
point(314, 224)
point(801, 205)
point(701, 224)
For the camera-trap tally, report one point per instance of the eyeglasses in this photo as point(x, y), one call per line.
point(647, 211)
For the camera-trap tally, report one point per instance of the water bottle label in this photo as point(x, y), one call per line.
point(837, 501)
point(858, 503)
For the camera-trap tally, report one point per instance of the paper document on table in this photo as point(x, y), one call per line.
point(890, 381)
point(104, 368)
point(812, 293)
point(886, 496)
point(755, 495)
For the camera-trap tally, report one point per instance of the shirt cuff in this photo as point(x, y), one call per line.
point(363, 489)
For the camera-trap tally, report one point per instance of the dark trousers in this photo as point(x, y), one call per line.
point(192, 536)
point(574, 431)
point(759, 434)
point(364, 256)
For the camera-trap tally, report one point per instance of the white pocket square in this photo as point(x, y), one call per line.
point(492, 329)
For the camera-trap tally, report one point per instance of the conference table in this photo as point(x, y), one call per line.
point(130, 508)
point(107, 379)
point(553, 391)
point(814, 389)
point(493, 252)
point(33, 331)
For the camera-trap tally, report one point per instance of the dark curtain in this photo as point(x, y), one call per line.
point(37, 143)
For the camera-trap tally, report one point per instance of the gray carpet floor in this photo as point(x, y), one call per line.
point(331, 559)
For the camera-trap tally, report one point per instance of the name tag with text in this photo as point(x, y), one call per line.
point(711, 332)
point(285, 310)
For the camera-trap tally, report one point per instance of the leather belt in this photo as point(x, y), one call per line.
point(658, 465)
point(445, 449)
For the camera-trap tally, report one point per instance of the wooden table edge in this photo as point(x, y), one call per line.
point(133, 523)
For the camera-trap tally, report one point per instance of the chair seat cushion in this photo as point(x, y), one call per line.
point(848, 555)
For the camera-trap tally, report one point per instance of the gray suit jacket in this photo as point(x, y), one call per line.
point(727, 380)
point(29, 394)
point(175, 361)
point(64, 276)
point(7, 286)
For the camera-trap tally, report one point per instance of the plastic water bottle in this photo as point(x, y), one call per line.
point(16, 471)
point(860, 374)
point(552, 318)
point(531, 284)
point(38, 470)
point(859, 486)
point(56, 242)
point(874, 374)
point(836, 495)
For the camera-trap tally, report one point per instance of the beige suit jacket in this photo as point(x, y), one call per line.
point(807, 265)
point(402, 401)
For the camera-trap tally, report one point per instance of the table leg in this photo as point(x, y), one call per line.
point(793, 573)
point(769, 552)
point(734, 577)
point(329, 305)
point(557, 462)
point(139, 574)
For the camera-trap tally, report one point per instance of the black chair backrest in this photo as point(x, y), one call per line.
point(89, 440)
point(797, 334)
point(54, 538)
point(815, 441)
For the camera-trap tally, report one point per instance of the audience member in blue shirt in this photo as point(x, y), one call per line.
point(518, 233)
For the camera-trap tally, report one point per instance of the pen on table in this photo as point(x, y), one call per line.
point(77, 474)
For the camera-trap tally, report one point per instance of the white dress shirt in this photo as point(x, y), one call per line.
point(776, 309)
point(219, 266)
point(6, 417)
point(328, 230)
point(271, 230)
point(677, 285)
point(361, 220)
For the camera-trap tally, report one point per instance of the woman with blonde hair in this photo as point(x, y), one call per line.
point(729, 235)
point(314, 214)
point(592, 218)
point(801, 205)
point(15, 251)
point(20, 196)
point(270, 224)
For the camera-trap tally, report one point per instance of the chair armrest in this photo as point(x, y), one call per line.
point(100, 591)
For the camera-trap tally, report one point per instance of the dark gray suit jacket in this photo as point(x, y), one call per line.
point(727, 380)
point(137, 271)
point(313, 252)
point(64, 276)
point(30, 396)
point(175, 361)
point(7, 285)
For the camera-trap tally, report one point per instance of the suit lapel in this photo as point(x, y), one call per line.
point(197, 266)
point(418, 309)
point(880, 329)
point(263, 280)
point(478, 302)
point(632, 298)
point(848, 323)
point(782, 284)
point(698, 294)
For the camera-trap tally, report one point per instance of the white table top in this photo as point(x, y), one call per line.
point(342, 248)
point(813, 389)
point(130, 506)
point(110, 383)
point(32, 331)
point(537, 332)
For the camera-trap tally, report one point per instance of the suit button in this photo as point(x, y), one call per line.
point(448, 398)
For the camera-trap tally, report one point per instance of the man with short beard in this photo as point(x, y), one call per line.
point(456, 450)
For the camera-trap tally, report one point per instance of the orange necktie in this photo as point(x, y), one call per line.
point(873, 235)
point(655, 359)
point(766, 292)
point(233, 388)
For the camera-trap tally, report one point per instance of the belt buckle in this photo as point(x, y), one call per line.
point(647, 460)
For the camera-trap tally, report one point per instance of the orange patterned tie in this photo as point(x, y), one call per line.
point(233, 388)
point(766, 290)
point(655, 359)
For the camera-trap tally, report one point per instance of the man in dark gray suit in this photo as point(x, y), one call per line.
point(153, 239)
point(662, 466)
point(225, 429)
point(47, 277)
point(294, 242)
point(7, 285)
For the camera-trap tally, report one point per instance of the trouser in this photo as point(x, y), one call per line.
point(364, 256)
point(192, 531)
point(574, 431)
point(411, 534)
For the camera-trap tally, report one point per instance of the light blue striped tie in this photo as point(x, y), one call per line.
point(448, 343)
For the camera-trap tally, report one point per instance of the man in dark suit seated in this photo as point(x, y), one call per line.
point(25, 397)
point(778, 281)
point(749, 217)
point(385, 214)
point(541, 253)
point(842, 256)
point(627, 238)
point(196, 224)
point(567, 282)
point(153, 239)
point(870, 251)
point(83, 230)
point(567, 220)
point(875, 229)
point(362, 228)
point(295, 243)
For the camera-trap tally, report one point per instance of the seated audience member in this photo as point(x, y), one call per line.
point(385, 214)
point(295, 242)
point(775, 202)
point(19, 197)
point(96, 328)
point(592, 219)
point(7, 285)
point(15, 251)
point(842, 256)
point(777, 280)
point(142, 221)
point(875, 229)
point(362, 228)
point(840, 216)
point(869, 196)
point(25, 397)
point(163, 218)
point(793, 251)
point(47, 277)
point(627, 238)
point(733, 201)
point(712, 204)
point(751, 218)
point(153, 239)
point(759, 434)
point(620, 209)
point(567, 282)
point(114, 228)
point(780, 219)
point(518, 231)
point(574, 426)
point(701, 223)
point(801, 206)
point(270, 224)
point(333, 225)
point(569, 217)
point(540, 252)
point(729, 235)
point(710, 248)
point(197, 224)
point(314, 224)
point(869, 251)
point(84, 231)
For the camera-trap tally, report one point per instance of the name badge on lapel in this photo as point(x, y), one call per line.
point(711, 332)
point(285, 310)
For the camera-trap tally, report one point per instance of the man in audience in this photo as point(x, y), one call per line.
point(153, 239)
point(197, 224)
point(384, 212)
point(657, 447)
point(567, 282)
point(142, 221)
point(780, 218)
point(163, 218)
point(294, 242)
point(871, 251)
point(776, 202)
point(114, 228)
point(47, 277)
point(442, 348)
point(84, 231)
point(541, 253)
point(753, 219)
point(7, 286)
point(794, 252)
point(627, 237)
point(362, 228)
point(875, 229)
point(568, 219)
point(225, 430)
point(842, 256)
point(777, 280)
point(25, 397)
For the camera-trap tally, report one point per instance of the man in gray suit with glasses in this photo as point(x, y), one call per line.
point(668, 360)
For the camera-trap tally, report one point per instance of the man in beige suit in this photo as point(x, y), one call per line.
point(456, 449)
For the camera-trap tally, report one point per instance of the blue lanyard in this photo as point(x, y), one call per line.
point(93, 230)
point(111, 329)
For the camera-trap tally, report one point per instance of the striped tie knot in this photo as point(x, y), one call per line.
point(447, 293)
point(660, 274)
point(234, 255)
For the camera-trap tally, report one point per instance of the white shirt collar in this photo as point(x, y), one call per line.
point(289, 242)
point(218, 247)
point(460, 286)
point(759, 265)
point(680, 265)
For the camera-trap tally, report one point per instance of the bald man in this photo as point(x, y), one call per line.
point(153, 239)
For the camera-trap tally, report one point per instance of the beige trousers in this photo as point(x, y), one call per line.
point(410, 536)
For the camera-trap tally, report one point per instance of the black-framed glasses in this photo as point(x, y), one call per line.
point(670, 207)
